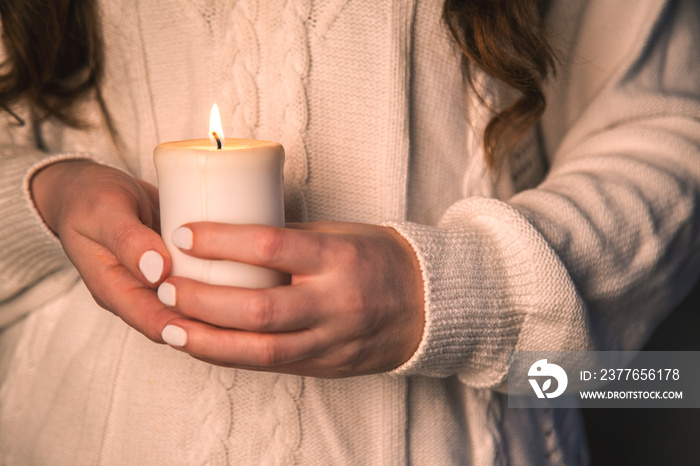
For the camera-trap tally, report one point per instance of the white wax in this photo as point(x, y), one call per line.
point(242, 183)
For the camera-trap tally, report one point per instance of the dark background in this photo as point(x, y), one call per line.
point(652, 436)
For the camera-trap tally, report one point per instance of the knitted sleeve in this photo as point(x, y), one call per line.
point(609, 242)
point(33, 267)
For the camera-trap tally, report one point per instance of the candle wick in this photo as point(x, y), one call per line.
point(218, 141)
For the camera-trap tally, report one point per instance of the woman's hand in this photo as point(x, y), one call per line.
point(354, 307)
point(104, 220)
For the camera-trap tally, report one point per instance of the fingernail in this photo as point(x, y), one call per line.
point(182, 238)
point(166, 294)
point(174, 336)
point(151, 266)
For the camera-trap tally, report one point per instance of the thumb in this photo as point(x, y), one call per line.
point(136, 246)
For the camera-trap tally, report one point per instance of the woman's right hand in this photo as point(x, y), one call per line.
point(105, 220)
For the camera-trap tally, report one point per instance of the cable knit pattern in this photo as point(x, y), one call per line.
point(208, 10)
point(241, 56)
point(215, 411)
point(284, 118)
point(284, 79)
point(287, 66)
point(279, 425)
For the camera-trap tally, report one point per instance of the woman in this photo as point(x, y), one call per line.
point(577, 233)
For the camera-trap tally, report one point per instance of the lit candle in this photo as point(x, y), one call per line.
point(236, 181)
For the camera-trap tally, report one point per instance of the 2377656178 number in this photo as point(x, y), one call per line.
point(639, 374)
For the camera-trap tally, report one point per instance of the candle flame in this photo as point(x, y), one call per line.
point(216, 132)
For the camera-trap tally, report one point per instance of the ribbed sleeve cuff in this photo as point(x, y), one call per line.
point(29, 250)
point(492, 285)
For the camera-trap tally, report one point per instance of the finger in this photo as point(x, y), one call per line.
point(116, 211)
point(240, 348)
point(279, 309)
point(140, 308)
point(117, 290)
point(140, 249)
point(287, 250)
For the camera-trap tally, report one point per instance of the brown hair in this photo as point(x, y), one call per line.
point(505, 39)
point(54, 57)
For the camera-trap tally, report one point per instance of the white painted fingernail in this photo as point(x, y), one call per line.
point(151, 266)
point(174, 336)
point(182, 238)
point(166, 294)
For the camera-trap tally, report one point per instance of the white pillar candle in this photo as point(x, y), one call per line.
point(240, 183)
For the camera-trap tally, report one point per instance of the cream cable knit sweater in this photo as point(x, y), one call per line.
point(588, 237)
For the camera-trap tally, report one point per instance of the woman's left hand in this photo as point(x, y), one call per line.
point(354, 306)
